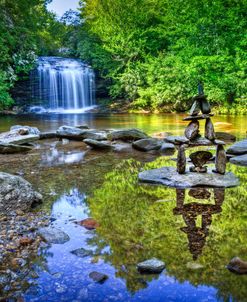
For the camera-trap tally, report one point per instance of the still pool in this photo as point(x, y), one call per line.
point(196, 233)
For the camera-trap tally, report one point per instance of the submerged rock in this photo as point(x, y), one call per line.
point(81, 252)
point(89, 223)
point(16, 193)
point(147, 144)
point(238, 148)
point(209, 130)
point(98, 277)
point(98, 144)
point(168, 176)
point(12, 148)
point(153, 266)
point(240, 160)
point(238, 266)
point(53, 235)
point(126, 135)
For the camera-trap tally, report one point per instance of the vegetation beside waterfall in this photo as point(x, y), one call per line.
point(152, 53)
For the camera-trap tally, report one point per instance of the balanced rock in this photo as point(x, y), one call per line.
point(197, 117)
point(195, 108)
point(126, 135)
point(200, 158)
point(181, 160)
point(147, 144)
point(220, 160)
point(238, 148)
point(205, 107)
point(209, 130)
point(153, 266)
point(192, 130)
point(16, 193)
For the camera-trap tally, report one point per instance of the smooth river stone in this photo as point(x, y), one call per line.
point(240, 160)
point(195, 108)
point(209, 130)
point(220, 160)
point(181, 160)
point(192, 130)
point(200, 158)
point(238, 148)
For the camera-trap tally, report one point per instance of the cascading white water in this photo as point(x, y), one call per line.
point(63, 84)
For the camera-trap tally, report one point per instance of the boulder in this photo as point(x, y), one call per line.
point(240, 160)
point(75, 133)
point(238, 148)
point(100, 145)
point(147, 144)
point(53, 235)
point(15, 138)
point(12, 148)
point(126, 135)
point(153, 266)
point(225, 136)
point(16, 193)
point(26, 129)
point(168, 176)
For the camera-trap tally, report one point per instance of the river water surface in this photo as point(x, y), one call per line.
point(196, 237)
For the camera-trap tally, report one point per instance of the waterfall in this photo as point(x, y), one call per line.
point(62, 84)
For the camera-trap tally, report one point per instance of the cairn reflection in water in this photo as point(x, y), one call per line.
point(192, 211)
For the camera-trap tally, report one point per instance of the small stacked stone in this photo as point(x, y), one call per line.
point(200, 110)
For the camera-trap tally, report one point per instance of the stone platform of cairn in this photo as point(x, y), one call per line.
point(200, 110)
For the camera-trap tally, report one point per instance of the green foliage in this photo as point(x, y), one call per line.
point(156, 51)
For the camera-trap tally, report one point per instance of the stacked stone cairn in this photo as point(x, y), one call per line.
point(200, 110)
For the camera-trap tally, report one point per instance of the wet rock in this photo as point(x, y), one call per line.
point(127, 135)
point(240, 160)
point(167, 149)
point(98, 277)
point(16, 193)
point(168, 176)
point(238, 266)
point(147, 144)
point(238, 148)
point(25, 129)
point(153, 266)
point(176, 140)
point(98, 144)
point(200, 158)
point(195, 108)
point(181, 160)
point(74, 133)
point(209, 130)
point(16, 139)
point(220, 160)
point(12, 148)
point(194, 266)
point(199, 193)
point(225, 136)
point(81, 252)
point(53, 235)
point(192, 130)
point(47, 135)
point(89, 223)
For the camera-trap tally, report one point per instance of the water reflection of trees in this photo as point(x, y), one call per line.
point(144, 221)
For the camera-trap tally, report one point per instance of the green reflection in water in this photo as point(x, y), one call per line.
point(138, 222)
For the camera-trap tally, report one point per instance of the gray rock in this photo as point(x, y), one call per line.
point(98, 144)
point(12, 148)
point(240, 160)
point(167, 148)
point(209, 130)
point(16, 193)
point(168, 176)
point(225, 136)
point(181, 160)
point(238, 148)
point(126, 135)
point(147, 144)
point(176, 139)
point(53, 235)
point(81, 252)
point(16, 139)
point(74, 133)
point(46, 135)
point(202, 141)
point(195, 108)
point(28, 129)
point(98, 277)
point(153, 265)
point(220, 160)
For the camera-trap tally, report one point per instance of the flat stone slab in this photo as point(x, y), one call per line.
point(238, 148)
point(198, 117)
point(240, 160)
point(168, 176)
point(11, 138)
